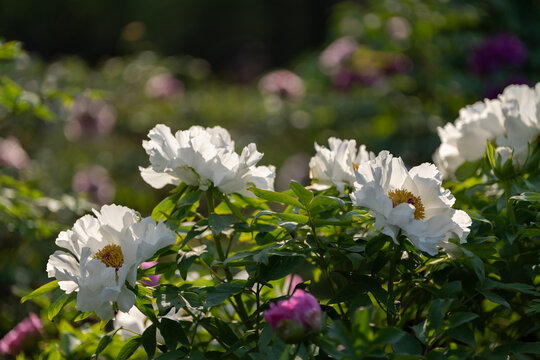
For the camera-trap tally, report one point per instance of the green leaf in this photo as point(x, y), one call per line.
point(190, 198)
point(58, 303)
point(218, 223)
point(216, 295)
point(83, 315)
point(145, 306)
point(280, 266)
point(495, 298)
point(129, 348)
point(325, 200)
point(103, 343)
point(459, 318)
point(527, 196)
point(172, 332)
point(297, 218)
point(148, 339)
point(173, 355)
point(276, 197)
point(219, 330)
point(437, 311)
point(407, 345)
point(389, 336)
point(304, 195)
point(184, 259)
point(467, 170)
point(40, 291)
point(476, 263)
point(164, 209)
point(464, 334)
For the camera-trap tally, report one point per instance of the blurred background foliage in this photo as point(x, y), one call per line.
point(88, 80)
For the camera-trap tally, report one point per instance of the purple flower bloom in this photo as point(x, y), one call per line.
point(89, 117)
point(154, 279)
point(500, 51)
point(283, 83)
point(296, 317)
point(29, 328)
point(95, 182)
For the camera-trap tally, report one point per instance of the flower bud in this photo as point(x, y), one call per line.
point(295, 318)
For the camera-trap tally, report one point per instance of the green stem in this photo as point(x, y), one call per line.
point(217, 240)
point(509, 206)
point(393, 264)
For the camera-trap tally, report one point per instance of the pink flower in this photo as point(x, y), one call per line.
point(89, 117)
point(27, 329)
point(283, 83)
point(296, 317)
point(163, 86)
point(96, 183)
point(12, 153)
point(154, 279)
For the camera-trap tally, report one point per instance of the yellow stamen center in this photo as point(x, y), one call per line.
point(355, 165)
point(111, 256)
point(400, 196)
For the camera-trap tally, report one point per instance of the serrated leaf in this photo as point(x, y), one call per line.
point(40, 291)
point(276, 197)
point(129, 348)
point(58, 303)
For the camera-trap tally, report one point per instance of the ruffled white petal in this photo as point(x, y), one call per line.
point(202, 157)
point(376, 179)
point(99, 286)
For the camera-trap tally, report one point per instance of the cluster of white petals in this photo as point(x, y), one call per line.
point(412, 201)
point(103, 252)
point(335, 166)
point(203, 157)
point(512, 120)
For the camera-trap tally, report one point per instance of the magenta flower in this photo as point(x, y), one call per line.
point(296, 317)
point(154, 279)
point(496, 52)
point(29, 328)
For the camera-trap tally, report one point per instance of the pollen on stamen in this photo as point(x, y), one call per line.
point(400, 196)
point(111, 256)
point(355, 165)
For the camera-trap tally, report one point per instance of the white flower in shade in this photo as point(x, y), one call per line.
point(512, 120)
point(521, 108)
point(103, 252)
point(411, 201)
point(465, 140)
point(203, 157)
point(336, 166)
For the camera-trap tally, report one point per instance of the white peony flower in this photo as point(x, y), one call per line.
point(521, 109)
point(103, 252)
point(335, 166)
point(203, 157)
point(465, 140)
point(512, 120)
point(411, 201)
